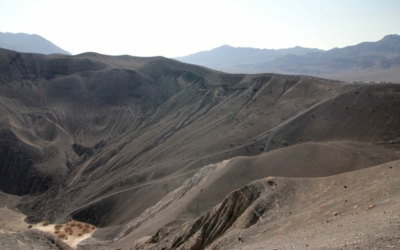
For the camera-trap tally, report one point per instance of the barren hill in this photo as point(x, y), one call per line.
point(23, 42)
point(141, 146)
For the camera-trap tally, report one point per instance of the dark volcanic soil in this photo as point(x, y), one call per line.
point(121, 142)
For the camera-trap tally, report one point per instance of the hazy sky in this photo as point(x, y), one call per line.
point(175, 28)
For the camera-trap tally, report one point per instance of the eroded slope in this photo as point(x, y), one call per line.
point(104, 139)
point(350, 210)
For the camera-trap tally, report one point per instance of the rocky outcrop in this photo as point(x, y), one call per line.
point(235, 211)
point(172, 197)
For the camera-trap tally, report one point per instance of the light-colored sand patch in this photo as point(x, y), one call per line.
point(11, 221)
point(72, 233)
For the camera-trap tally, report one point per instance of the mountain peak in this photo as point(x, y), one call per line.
point(223, 47)
point(23, 42)
point(392, 37)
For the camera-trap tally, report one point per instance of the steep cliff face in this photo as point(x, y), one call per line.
point(235, 211)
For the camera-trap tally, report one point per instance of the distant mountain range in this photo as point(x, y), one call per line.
point(22, 42)
point(228, 56)
point(372, 61)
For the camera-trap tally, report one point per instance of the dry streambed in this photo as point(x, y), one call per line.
point(14, 233)
point(71, 233)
